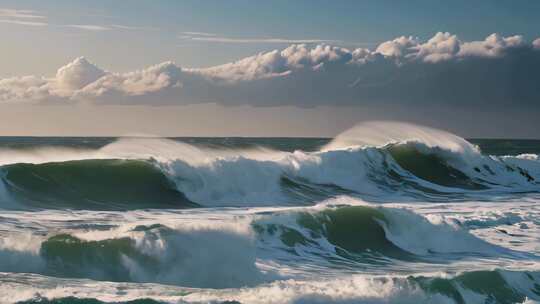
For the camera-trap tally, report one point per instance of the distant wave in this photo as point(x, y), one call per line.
point(377, 162)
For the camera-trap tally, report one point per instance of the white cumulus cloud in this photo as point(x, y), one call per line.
point(153, 79)
point(77, 74)
point(536, 43)
point(494, 45)
point(501, 71)
point(400, 47)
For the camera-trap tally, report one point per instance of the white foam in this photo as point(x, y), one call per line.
point(352, 161)
point(382, 133)
point(349, 289)
point(418, 235)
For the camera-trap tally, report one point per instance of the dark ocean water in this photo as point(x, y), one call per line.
point(488, 146)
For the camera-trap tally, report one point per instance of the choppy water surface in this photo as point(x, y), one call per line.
point(383, 213)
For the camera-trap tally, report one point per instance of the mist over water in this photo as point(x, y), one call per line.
point(384, 213)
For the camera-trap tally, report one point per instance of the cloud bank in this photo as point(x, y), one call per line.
point(497, 71)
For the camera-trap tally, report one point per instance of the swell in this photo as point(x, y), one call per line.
point(333, 238)
point(353, 233)
point(366, 237)
point(148, 254)
point(75, 300)
point(399, 171)
point(130, 174)
point(493, 286)
point(432, 167)
point(108, 184)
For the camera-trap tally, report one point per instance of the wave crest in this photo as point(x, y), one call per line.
point(377, 162)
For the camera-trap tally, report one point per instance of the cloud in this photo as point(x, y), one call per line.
point(199, 34)
point(125, 86)
point(493, 46)
point(131, 28)
point(494, 72)
point(102, 28)
point(277, 63)
point(19, 14)
point(34, 18)
point(536, 43)
point(59, 89)
point(89, 27)
point(399, 47)
point(443, 46)
point(256, 40)
point(26, 88)
point(211, 37)
point(22, 22)
point(21, 17)
point(77, 74)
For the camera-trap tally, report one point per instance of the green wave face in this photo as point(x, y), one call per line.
point(353, 230)
point(74, 300)
point(155, 254)
point(431, 167)
point(490, 284)
point(69, 256)
point(93, 184)
point(468, 287)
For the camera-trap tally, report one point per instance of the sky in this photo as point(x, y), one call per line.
point(267, 68)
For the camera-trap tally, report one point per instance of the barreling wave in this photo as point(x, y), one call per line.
point(376, 162)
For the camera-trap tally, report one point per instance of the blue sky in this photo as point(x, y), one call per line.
point(271, 68)
point(157, 26)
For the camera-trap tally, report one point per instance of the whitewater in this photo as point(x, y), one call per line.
point(385, 212)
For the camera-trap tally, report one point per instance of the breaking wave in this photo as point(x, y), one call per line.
point(92, 184)
point(376, 162)
point(357, 237)
point(494, 286)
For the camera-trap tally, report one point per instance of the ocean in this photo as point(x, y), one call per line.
point(384, 213)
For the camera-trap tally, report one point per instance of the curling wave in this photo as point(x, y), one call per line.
point(402, 162)
point(359, 238)
point(92, 184)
